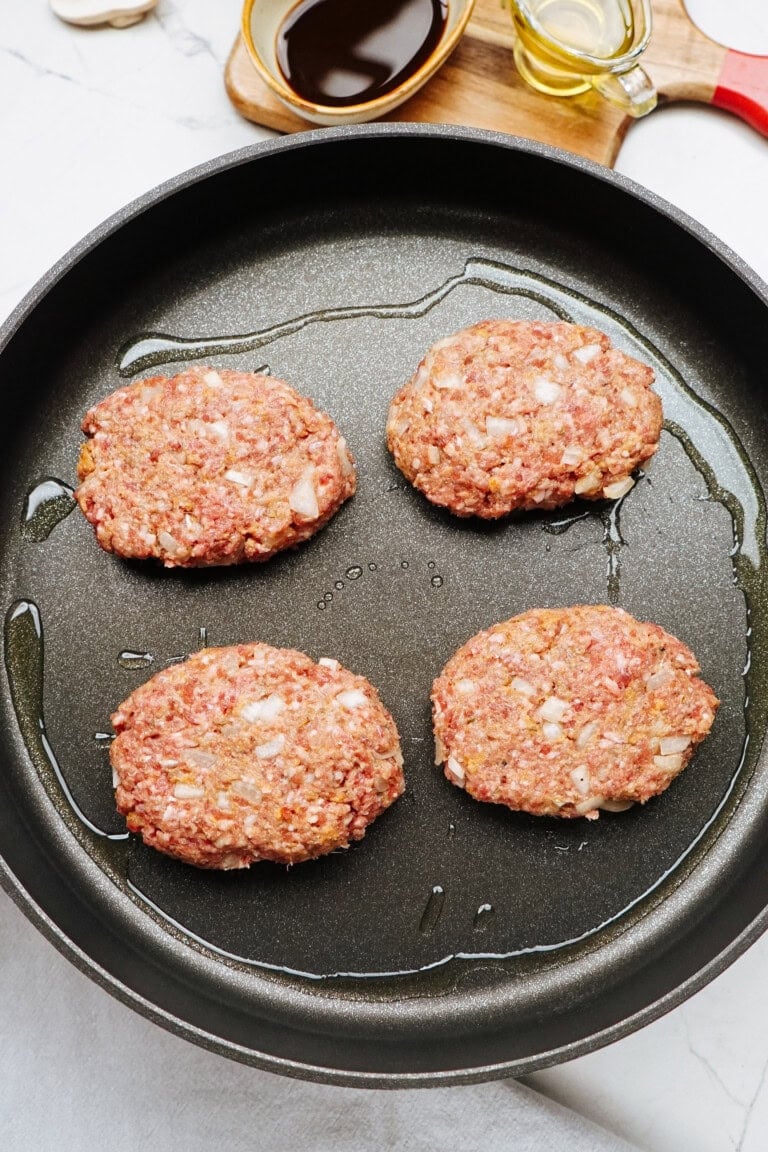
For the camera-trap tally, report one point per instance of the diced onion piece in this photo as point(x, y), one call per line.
point(427, 404)
point(669, 763)
point(580, 777)
point(448, 380)
point(212, 379)
point(399, 426)
point(345, 460)
point(247, 790)
point(244, 479)
point(473, 432)
point(589, 804)
point(551, 731)
point(203, 760)
point(589, 483)
point(265, 709)
point(222, 801)
point(499, 427)
point(328, 662)
point(465, 687)
point(616, 805)
point(546, 391)
point(618, 488)
point(572, 455)
point(353, 698)
point(271, 748)
point(586, 353)
point(659, 678)
point(188, 792)
point(586, 733)
point(220, 428)
point(168, 542)
point(439, 750)
point(523, 686)
point(560, 361)
point(669, 745)
point(455, 772)
point(303, 498)
point(628, 397)
point(433, 454)
point(553, 709)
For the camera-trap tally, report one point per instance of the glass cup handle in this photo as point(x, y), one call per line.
point(633, 90)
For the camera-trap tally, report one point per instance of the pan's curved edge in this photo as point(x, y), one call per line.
point(36, 914)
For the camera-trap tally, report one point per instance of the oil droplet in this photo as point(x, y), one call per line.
point(328, 597)
point(483, 917)
point(339, 584)
point(451, 830)
point(557, 527)
point(613, 542)
point(372, 567)
point(128, 659)
point(321, 604)
point(176, 659)
point(404, 564)
point(103, 739)
point(436, 581)
point(354, 573)
point(202, 637)
point(432, 911)
point(47, 504)
point(432, 564)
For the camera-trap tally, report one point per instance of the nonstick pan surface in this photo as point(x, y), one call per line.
point(457, 941)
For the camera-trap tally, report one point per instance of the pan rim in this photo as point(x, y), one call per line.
point(56, 935)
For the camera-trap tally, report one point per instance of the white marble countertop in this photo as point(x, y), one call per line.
point(88, 120)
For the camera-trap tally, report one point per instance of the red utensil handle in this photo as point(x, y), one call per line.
point(742, 87)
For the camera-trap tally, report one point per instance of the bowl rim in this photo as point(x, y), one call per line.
point(409, 86)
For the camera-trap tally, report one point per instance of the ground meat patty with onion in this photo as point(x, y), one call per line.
point(562, 712)
point(254, 753)
point(210, 467)
point(512, 414)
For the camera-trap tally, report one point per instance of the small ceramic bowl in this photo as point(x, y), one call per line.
point(262, 20)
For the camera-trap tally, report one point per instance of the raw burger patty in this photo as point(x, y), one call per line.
point(512, 415)
point(254, 753)
point(561, 712)
point(210, 467)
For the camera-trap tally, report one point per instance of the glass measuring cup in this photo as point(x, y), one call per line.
point(565, 47)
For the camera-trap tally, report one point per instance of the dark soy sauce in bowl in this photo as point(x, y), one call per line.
point(340, 52)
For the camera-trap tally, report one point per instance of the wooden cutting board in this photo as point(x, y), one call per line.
point(479, 86)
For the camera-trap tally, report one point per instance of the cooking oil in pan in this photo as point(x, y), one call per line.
point(433, 910)
point(24, 665)
point(47, 504)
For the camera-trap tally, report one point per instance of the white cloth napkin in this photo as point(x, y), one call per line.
point(78, 1070)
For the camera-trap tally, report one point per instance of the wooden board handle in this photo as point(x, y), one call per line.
point(742, 88)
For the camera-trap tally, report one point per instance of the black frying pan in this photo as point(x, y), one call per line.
point(458, 941)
